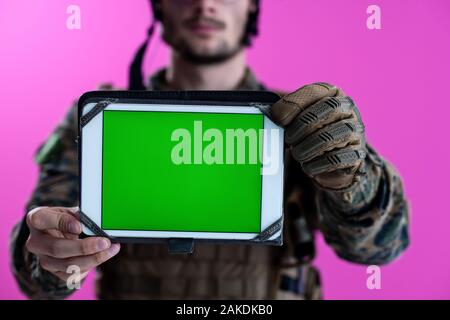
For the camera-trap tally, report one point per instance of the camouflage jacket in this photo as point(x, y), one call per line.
point(367, 224)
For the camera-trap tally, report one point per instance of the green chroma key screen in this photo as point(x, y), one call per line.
point(143, 189)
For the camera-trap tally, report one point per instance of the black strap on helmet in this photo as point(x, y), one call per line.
point(135, 77)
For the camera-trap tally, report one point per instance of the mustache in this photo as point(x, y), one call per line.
point(204, 21)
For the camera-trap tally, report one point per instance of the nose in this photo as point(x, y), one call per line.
point(205, 7)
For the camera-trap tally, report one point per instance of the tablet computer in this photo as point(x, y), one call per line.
point(199, 165)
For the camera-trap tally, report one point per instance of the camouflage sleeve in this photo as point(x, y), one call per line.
point(57, 186)
point(366, 223)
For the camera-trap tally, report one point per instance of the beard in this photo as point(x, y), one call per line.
point(222, 53)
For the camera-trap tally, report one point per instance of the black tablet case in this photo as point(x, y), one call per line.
point(260, 99)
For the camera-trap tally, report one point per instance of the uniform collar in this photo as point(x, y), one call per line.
point(249, 82)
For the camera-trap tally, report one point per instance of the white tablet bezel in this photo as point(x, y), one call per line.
point(91, 172)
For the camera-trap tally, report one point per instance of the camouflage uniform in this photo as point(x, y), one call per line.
point(366, 223)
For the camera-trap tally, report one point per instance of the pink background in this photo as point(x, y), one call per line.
point(399, 77)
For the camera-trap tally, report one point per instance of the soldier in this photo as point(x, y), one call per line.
point(335, 183)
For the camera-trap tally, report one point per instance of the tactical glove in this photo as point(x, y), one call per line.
point(325, 133)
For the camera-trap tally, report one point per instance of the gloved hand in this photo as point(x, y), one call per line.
point(325, 133)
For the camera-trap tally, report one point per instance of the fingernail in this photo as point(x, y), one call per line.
point(114, 249)
point(74, 227)
point(102, 244)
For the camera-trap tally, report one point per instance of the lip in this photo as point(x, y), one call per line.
point(203, 28)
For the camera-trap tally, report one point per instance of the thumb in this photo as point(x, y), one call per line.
point(289, 106)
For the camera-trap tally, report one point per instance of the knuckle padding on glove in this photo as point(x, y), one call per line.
point(284, 111)
point(323, 112)
point(334, 160)
point(325, 139)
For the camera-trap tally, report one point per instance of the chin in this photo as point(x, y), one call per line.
point(204, 50)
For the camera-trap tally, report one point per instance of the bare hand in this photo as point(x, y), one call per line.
point(54, 239)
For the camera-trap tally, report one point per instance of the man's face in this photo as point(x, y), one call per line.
point(205, 31)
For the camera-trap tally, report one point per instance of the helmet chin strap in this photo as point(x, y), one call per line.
point(135, 77)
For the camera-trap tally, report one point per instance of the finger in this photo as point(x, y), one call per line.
point(336, 135)
point(53, 218)
point(322, 113)
point(70, 236)
point(84, 263)
point(43, 244)
point(74, 212)
point(337, 159)
point(58, 234)
point(289, 106)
